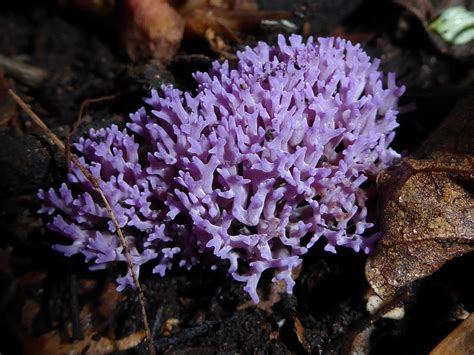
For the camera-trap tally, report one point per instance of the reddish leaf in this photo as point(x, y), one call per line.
point(152, 28)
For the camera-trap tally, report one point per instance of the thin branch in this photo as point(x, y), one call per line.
point(96, 184)
point(84, 105)
point(52, 137)
point(77, 124)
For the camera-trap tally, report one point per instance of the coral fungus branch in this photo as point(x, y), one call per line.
point(247, 172)
point(96, 184)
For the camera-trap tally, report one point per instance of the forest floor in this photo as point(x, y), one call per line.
point(49, 302)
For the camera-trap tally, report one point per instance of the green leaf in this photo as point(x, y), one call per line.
point(455, 25)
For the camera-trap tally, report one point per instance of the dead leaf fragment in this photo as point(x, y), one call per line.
point(454, 135)
point(361, 342)
point(292, 331)
point(220, 22)
point(168, 327)
point(152, 28)
point(155, 28)
point(53, 343)
point(427, 219)
point(426, 206)
point(459, 342)
point(299, 331)
point(94, 322)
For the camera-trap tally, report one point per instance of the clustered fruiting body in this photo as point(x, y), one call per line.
point(251, 170)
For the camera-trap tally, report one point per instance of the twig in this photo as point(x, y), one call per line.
point(26, 73)
point(52, 137)
point(96, 184)
point(77, 124)
point(84, 104)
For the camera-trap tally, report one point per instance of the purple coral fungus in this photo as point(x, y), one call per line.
point(254, 168)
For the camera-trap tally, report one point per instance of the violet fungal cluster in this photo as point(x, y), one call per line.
point(248, 172)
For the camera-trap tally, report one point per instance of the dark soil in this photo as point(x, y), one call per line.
point(84, 61)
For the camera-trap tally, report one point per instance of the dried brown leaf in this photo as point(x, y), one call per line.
point(459, 342)
point(53, 343)
point(292, 333)
point(222, 21)
point(94, 323)
point(154, 28)
point(361, 342)
point(168, 326)
point(299, 331)
point(427, 220)
point(455, 133)
point(426, 210)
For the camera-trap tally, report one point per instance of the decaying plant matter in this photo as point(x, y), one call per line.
point(426, 207)
point(155, 28)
